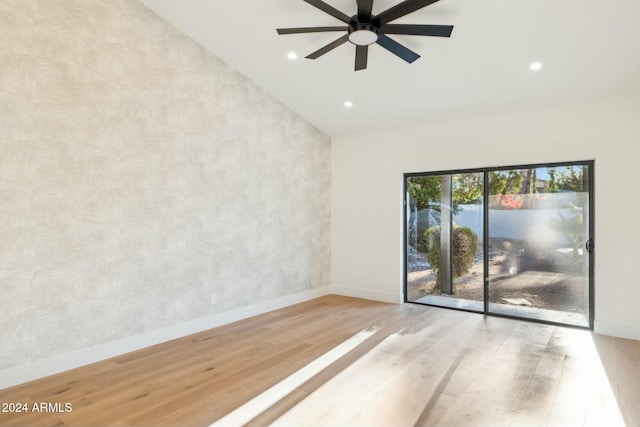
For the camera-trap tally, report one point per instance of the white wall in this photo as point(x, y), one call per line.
point(367, 175)
point(139, 177)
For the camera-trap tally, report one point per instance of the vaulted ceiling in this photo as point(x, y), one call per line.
point(588, 49)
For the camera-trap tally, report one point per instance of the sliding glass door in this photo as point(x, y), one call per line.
point(445, 240)
point(538, 243)
point(509, 241)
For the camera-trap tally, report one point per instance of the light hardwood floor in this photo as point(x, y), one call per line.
point(338, 361)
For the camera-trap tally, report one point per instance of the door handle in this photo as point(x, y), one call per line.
point(589, 246)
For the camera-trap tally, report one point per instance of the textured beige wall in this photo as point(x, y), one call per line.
point(136, 169)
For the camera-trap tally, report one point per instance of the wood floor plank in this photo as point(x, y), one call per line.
point(421, 366)
point(628, 378)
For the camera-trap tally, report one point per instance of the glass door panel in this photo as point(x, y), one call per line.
point(444, 240)
point(538, 229)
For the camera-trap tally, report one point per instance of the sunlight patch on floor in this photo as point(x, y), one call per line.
point(265, 400)
point(468, 370)
point(602, 395)
point(390, 385)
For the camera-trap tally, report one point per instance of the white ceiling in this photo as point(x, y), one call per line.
point(589, 49)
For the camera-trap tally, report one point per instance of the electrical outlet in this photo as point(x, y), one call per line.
point(214, 299)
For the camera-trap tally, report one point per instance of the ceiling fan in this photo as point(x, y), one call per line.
point(364, 29)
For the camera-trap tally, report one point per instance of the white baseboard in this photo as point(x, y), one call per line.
point(621, 330)
point(43, 368)
point(367, 294)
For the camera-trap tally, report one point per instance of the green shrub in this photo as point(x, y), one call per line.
point(465, 244)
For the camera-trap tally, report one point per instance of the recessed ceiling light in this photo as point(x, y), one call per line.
point(292, 56)
point(535, 66)
point(348, 104)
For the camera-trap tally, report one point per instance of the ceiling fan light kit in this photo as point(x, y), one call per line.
point(365, 29)
point(364, 35)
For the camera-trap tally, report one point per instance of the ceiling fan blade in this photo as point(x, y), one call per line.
point(397, 49)
point(364, 10)
point(402, 9)
point(334, 44)
point(283, 31)
point(418, 30)
point(329, 9)
point(361, 57)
